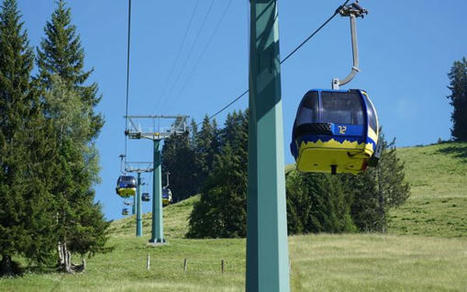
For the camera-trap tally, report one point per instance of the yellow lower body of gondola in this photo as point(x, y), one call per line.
point(126, 192)
point(348, 157)
point(165, 202)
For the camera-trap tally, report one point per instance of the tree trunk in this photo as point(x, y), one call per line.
point(67, 259)
point(381, 207)
point(61, 256)
point(64, 258)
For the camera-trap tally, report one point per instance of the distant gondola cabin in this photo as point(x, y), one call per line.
point(126, 186)
point(166, 196)
point(335, 131)
point(146, 197)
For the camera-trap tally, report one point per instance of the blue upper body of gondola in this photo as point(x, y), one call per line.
point(126, 181)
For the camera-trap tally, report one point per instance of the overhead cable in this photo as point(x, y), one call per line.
point(179, 52)
point(203, 52)
point(127, 75)
point(336, 12)
point(190, 52)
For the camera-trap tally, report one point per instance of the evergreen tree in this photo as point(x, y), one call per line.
point(458, 97)
point(70, 106)
point(26, 220)
point(190, 157)
point(61, 54)
point(179, 160)
point(378, 190)
point(206, 149)
point(81, 226)
point(193, 133)
point(41, 217)
point(317, 203)
point(234, 131)
point(298, 203)
point(221, 211)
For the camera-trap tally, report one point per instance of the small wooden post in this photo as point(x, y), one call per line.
point(148, 262)
point(222, 266)
point(185, 264)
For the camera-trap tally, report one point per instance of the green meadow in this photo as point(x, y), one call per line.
point(425, 248)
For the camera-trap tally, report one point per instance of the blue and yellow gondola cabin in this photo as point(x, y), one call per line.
point(126, 186)
point(166, 196)
point(335, 131)
point(146, 197)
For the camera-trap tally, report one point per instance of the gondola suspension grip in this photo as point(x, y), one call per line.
point(352, 12)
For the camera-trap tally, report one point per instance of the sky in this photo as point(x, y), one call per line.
point(406, 50)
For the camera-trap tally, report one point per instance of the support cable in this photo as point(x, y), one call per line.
point(179, 52)
point(190, 52)
point(204, 50)
point(284, 59)
point(127, 77)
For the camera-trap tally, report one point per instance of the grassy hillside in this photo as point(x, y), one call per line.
point(175, 221)
point(438, 203)
point(427, 257)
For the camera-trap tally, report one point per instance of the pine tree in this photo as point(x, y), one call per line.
point(206, 149)
point(61, 54)
point(26, 209)
point(81, 226)
point(317, 203)
point(458, 97)
point(378, 190)
point(193, 133)
point(179, 160)
point(221, 211)
point(190, 157)
point(298, 203)
point(15, 66)
point(70, 106)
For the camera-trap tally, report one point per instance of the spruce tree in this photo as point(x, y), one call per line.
point(61, 53)
point(178, 158)
point(206, 149)
point(378, 190)
point(81, 226)
point(458, 99)
point(16, 61)
point(70, 105)
point(189, 158)
point(221, 211)
point(26, 208)
point(317, 203)
point(193, 133)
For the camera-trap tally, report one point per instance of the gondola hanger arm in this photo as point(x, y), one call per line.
point(352, 11)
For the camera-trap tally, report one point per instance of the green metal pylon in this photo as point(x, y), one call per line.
point(139, 219)
point(267, 267)
point(157, 235)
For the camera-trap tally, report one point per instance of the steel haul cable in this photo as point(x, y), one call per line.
point(284, 59)
point(127, 76)
point(206, 46)
point(190, 52)
point(177, 58)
